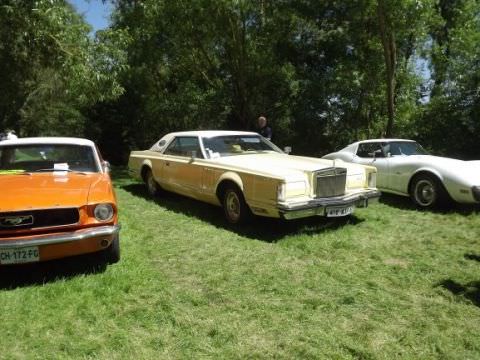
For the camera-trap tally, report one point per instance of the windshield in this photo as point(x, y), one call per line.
point(236, 145)
point(404, 148)
point(47, 157)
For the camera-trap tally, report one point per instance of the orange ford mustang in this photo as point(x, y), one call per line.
point(56, 200)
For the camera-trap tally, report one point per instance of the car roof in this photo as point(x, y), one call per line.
point(47, 141)
point(211, 133)
point(383, 140)
point(352, 148)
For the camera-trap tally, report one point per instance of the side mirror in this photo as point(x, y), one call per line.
point(375, 154)
point(287, 149)
point(106, 166)
point(193, 154)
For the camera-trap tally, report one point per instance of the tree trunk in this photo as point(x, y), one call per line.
point(390, 55)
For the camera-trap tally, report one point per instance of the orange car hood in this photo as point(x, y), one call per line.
point(36, 191)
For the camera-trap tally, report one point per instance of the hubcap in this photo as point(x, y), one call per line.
point(425, 193)
point(232, 206)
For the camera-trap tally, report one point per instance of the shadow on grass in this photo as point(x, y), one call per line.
point(259, 228)
point(474, 257)
point(405, 203)
point(469, 291)
point(14, 276)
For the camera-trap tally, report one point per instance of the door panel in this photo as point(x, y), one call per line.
point(382, 165)
point(372, 153)
point(182, 172)
point(400, 173)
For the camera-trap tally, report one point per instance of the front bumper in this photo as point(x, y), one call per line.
point(318, 207)
point(65, 244)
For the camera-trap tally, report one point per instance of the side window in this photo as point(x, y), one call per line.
point(183, 146)
point(367, 150)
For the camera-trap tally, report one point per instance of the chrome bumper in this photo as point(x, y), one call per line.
point(317, 207)
point(50, 239)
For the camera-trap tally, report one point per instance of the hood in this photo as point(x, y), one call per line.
point(449, 163)
point(45, 190)
point(464, 168)
point(281, 165)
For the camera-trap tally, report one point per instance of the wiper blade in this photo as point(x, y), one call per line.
point(59, 170)
point(51, 169)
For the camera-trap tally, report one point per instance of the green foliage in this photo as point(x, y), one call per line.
point(51, 69)
point(323, 73)
point(316, 70)
point(451, 119)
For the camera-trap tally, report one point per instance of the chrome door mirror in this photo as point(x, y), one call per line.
point(375, 154)
point(193, 155)
point(287, 149)
point(106, 166)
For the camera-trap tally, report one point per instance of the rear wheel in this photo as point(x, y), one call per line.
point(427, 191)
point(152, 186)
point(234, 206)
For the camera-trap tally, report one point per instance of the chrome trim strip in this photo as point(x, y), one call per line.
point(60, 238)
point(368, 196)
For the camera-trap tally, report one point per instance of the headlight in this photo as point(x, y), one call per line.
point(103, 212)
point(372, 179)
point(291, 189)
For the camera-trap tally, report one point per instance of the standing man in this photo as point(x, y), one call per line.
point(8, 135)
point(264, 129)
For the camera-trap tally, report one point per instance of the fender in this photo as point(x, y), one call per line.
point(147, 163)
point(427, 169)
point(232, 176)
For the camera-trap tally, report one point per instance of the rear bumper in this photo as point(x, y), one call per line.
point(476, 193)
point(317, 207)
point(60, 245)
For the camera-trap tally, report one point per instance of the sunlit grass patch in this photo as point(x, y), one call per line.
point(389, 282)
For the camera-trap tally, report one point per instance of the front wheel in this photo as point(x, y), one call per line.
point(234, 206)
point(427, 191)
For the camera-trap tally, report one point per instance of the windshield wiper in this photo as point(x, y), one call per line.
point(59, 170)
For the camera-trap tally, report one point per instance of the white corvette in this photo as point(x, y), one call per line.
point(405, 168)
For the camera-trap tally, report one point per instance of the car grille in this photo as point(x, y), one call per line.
point(38, 218)
point(330, 182)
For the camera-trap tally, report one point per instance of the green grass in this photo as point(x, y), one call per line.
point(391, 282)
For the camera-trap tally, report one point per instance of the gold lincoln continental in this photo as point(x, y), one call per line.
point(245, 173)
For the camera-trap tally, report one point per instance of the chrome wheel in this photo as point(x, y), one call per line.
point(232, 206)
point(425, 192)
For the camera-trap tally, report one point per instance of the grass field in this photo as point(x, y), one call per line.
point(390, 282)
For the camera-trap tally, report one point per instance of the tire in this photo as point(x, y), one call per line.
point(111, 255)
point(152, 186)
point(427, 191)
point(235, 208)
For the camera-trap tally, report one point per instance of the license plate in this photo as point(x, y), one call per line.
point(19, 255)
point(338, 211)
